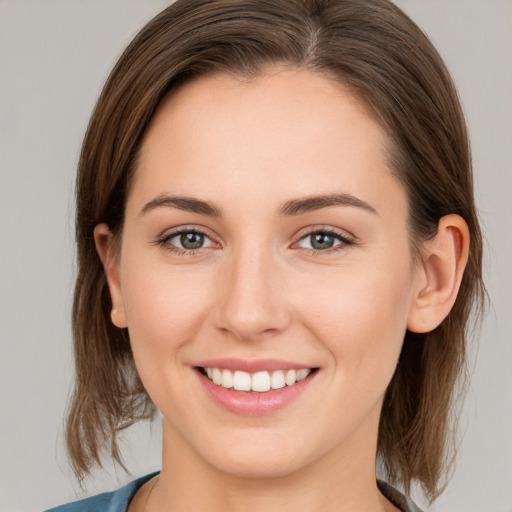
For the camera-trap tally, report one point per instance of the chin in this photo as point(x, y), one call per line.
point(258, 460)
point(258, 468)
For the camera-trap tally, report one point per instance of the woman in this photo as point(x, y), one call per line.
point(274, 216)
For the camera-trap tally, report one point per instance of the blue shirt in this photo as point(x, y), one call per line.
point(116, 501)
point(119, 500)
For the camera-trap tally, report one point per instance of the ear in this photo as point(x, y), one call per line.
point(109, 256)
point(439, 274)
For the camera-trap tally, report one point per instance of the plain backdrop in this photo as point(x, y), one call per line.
point(54, 58)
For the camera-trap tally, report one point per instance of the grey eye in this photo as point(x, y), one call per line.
point(320, 241)
point(323, 241)
point(188, 240)
point(191, 240)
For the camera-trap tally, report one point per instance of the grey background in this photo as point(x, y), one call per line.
point(54, 57)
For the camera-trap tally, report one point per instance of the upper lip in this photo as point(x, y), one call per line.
point(252, 366)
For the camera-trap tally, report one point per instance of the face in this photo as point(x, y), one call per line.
point(264, 234)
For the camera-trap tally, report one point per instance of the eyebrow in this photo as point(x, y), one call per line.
point(308, 204)
point(290, 208)
point(188, 204)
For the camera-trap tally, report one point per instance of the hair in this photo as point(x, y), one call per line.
point(382, 57)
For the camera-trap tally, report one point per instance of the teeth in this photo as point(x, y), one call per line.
point(259, 381)
point(302, 374)
point(241, 381)
point(227, 379)
point(291, 377)
point(277, 381)
point(217, 376)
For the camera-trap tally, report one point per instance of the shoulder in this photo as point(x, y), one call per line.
point(398, 499)
point(116, 501)
point(99, 503)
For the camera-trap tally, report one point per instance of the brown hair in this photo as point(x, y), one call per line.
point(376, 51)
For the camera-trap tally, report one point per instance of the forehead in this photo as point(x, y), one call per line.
point(289, 132)
point(301, 98)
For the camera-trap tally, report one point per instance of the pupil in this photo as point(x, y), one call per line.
point(322, 241)
point(192, 240)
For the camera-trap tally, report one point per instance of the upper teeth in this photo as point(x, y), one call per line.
point(259, 381)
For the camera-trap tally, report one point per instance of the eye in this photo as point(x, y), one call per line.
point(189, 240)
point(186, 240)
point(324, 241)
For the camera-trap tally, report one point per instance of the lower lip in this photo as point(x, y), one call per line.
point(254, 403)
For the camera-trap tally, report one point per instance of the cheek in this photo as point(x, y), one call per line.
point(164, 312)
point(360, 315)
point(164, 309)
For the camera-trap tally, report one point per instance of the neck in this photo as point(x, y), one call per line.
point(343, 480)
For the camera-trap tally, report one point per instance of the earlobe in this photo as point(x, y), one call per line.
point(108, 254)
point(439, 274)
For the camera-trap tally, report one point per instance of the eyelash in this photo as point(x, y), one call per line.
point(164, 241)
point(345, 241)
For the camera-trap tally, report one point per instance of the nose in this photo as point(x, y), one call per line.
point(252, 304)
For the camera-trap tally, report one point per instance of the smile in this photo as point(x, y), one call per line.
point(254, 388)
point(260, 382)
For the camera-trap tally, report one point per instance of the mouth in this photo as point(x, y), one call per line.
point(258, 382)
point(250, 389)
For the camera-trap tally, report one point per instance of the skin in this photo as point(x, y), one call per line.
point(257, 289)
